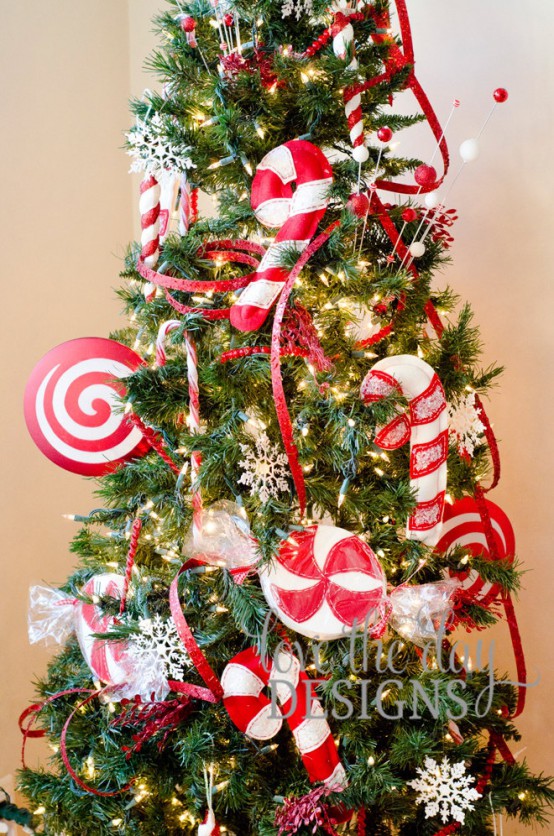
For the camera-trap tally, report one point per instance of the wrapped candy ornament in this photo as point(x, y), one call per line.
point(224, 537)
point(142, 665)
point(418, 612)
point(326, 583)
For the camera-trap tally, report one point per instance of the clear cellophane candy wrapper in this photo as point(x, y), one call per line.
point(50, 618)
point(419, 611)
point(224, 537)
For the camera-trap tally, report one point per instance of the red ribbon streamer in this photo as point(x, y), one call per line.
point(199, 660)
point(283, 415)
point(34, 710)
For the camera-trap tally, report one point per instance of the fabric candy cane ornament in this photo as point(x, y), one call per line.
point(72, 410)
point(426, 427)
point(297, 213)
point(244, 680)
point(107, 660)
point(324, 582)
point(463, 526)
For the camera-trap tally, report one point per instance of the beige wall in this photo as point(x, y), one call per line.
point(68, 68)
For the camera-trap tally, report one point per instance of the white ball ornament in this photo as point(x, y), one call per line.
point(417, 249)
point(469, 150)
point(360, 153)
point(432, 200)
point(324, 583)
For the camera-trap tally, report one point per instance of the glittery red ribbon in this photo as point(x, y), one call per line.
point(251, 350)
point(279, 398)
point(236, 250)
point(34, 710)
point(199, 660)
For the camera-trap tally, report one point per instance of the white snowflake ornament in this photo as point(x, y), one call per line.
point(265, 469)
point(153, 152)
point(157, 655)
point(296, 7)
point(465, 424)
point(445, 789)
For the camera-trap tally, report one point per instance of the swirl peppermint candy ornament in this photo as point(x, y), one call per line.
point(463, 526)
point(72, 410)
point(107, 660)
point(324, 582)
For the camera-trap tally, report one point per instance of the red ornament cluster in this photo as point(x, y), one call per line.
point(384, 134)
point(188, 24)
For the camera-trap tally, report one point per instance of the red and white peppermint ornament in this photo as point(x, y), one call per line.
point(107, 660)
point(297, 214)
point(426, 428)
point(244, 680)
point(324, 582)
point(463, 526)
point(71, 406)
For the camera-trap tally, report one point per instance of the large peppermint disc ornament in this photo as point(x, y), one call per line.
point(463, 526)
point(72, 410)
point(324, 582)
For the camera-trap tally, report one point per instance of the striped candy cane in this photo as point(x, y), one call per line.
point(427, 430)
point(297, 214)
point(169, 186)
point(149, 205)
point(106, 659)
point(343, 47)
point(243, 681)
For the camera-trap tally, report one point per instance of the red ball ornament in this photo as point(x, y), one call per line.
point(188, 24)
point(425, 176)
point(358, 204)
point(384, 134)
point(228, 20)
point(500, 95)
point(409, 215)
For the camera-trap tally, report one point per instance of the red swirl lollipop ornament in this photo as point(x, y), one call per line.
point(463, 526)
point(72, 410)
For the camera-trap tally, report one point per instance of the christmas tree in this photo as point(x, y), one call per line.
point(293, 462)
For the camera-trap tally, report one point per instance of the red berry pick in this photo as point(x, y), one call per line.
point(358, 204)
point(425, 176)
point(409, 215)
point(188, 24)
point(384, 134)
point(228, 20)
point(500, 95)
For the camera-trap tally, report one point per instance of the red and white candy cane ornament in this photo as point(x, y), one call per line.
point(243, 681)
point(426, 428)
point(463, 526)
point(194, 426)
point(297, 214)
point(149, 207)
point(343, 47)
point(71, 406)
point(169, 188)
point(106, 659)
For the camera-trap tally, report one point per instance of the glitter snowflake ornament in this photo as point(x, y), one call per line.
point(445, 789)
point(265, 469)
point(152, 151)
point(465, 424)
point(297, 8)
point(157, 655)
